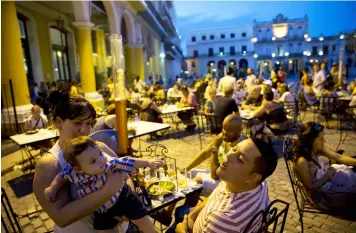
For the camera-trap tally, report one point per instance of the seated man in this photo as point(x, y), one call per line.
point(225, 105)
point(255, 98)
point(36, 120)
point(223, 144)
point(173, 94)
point(241, 194)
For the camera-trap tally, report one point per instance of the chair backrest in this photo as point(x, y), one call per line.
point(269, 219)
point(327, 104)
point(107, 136)
point(291, 109)
point(9, 219)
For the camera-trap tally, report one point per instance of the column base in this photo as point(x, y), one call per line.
point(95, 99)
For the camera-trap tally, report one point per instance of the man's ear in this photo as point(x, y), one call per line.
point(58, 122)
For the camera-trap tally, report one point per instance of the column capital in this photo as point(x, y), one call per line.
point(83, 24)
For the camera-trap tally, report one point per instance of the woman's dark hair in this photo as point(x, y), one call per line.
point(229, 71)
point(184, 89)
point(66, 106)
point(304, 145)
point(268, 94)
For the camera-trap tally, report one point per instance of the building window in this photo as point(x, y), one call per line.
point(232, 35)
point(195, 53)
point(232, 50)
point(221, 51)
point(211, 52)
point(194, 38)
point(222, 36)
point(259, 34)
point(315, 50)
point(203, 38)
point(290, 32)
point(193, 64)
point(325, 49)
point(291, 48)
point(60, 54)
point(334, 48)
point(299, 48)
point(243, 34)
point(25, 46)
point(243, 48)
point(211, 37)
point(300, 32)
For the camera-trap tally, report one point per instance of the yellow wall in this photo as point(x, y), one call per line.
point(134, 64)
point(43, 38)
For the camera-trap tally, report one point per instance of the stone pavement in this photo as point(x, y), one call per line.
point(183, 149)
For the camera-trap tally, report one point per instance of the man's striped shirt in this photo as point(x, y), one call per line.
point(87, 184)
point(227, 212)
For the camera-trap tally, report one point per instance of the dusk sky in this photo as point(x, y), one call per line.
point(327, 18)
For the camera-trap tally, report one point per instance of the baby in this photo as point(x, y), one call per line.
point(87, 170)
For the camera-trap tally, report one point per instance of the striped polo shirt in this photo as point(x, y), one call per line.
point(86, 184)
point(231, 212)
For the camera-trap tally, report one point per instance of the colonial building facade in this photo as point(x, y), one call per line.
point(282, 41)
point(56, 41)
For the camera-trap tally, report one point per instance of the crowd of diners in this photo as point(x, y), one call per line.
point(103, 195)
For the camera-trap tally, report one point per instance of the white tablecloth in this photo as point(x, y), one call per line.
point(43, 134)
point(145, 127)
point(173, 109)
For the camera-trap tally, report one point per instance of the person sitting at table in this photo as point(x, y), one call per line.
point(274, 116)
point(36, 120)
point(210, 103)
point(173, 93)
point(160, 95)
point(241, 194)
point(239, 93)
point(135, 97)
point(188, 100)
point(309, 94)
point(222, 144)
point(330, 186)
point(150, 109)
point(225, 105)
point(255, 98)
point(210, 86)
point(268, 84)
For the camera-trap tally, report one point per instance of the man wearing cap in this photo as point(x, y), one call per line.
point(268, 84)
point(227, 81)
point(241, 194)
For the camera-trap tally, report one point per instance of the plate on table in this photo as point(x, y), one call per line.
point(28, 132)
point(161, 188)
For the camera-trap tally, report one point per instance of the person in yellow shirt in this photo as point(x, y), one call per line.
point(73, 89)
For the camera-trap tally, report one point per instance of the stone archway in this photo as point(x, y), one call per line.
point(243, 63)
point(221, 68)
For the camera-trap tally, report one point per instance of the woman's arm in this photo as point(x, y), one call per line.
point(302, 170)
point(339, 158)
point(63, 211)
point(154, 107)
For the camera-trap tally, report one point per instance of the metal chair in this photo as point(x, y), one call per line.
point(269, 218)
point(107, 136)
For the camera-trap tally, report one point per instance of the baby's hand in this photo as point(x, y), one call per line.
point(50, 194)
point(153, 164)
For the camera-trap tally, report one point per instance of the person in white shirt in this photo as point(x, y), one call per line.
point(250, 80)
point(173, 94)
point(227, 81)
point(139, 84)
point(319, 79)
point(239, 93)
point(286, 95)
point(36, 120)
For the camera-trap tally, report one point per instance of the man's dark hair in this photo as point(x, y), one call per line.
point(268, 94)
point(267, 162)
point(229, 71)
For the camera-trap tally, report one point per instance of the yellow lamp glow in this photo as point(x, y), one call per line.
point(280, 30)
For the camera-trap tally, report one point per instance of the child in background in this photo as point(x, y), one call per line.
point(87, 169)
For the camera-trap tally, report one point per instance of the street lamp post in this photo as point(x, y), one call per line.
point(118, 65)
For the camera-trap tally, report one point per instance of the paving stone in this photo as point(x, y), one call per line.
point(344, 228)
point(29, 229)
point(339, 221)
point(331, 229)
point(321, 230)
point(44, 216)
point(24, 221)
point(49, 224)
point(41, 230)
point(310, 221)
point(37, 223)
point(323, 221)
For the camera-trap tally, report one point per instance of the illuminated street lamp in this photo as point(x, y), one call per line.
point(306, 36)
point(308, 39)
point(321, 53)
point(342, 36)
point(273, 55)
point(273, 38)
point(321, 38)
point(255, 55)
point(254, 40)
point(286, 54)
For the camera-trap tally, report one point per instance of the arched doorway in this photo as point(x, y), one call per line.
point(233, 65)
point(221, 67)
point(243, 64)
point(211, 68)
